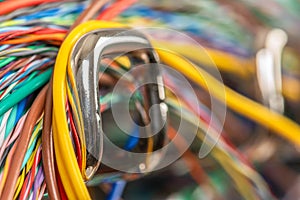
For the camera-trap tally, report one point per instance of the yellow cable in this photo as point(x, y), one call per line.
point(149, 151)
point(11, 23)
point(78, 118)
point(9, 51)
point(242, 184)
point(211, 57)
point(238, 173)
point(66, 159)
point(31, 158)
point(242, 105)
point(19, 184)
point(228, 63)
point(68, 168)
point(6, 168)
point(35, 132)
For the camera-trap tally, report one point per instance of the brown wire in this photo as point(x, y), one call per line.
point(48, 149)
point(33, 115)
point(21, 62)
point(196, 171)
point(48, 158)
point(22, 145)
point(89, 13)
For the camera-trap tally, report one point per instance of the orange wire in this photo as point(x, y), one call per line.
point(7, 166)
point(32, 38)
point(115, 9)
point(9, 6)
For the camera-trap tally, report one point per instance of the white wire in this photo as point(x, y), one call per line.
point(3, 126)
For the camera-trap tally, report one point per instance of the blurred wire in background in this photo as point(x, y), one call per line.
point(248, 161)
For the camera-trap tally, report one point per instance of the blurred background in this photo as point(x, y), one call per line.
point(232, 32)
point(255, 45)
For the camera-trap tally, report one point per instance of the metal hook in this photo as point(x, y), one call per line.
point(86, 66)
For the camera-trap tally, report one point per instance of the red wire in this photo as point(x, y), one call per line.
point(50, 30)
point(9, 6)
point(22, 71)
point(24, 187)
point(115, 9)
point(36, 161)
point(206, 118)
point(36, 30)
point(61, 189)
point(12, 34)
point(12, 66)
point(33, 171)
point(75, 137)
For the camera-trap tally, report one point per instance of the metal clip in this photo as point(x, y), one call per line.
point(86, 57)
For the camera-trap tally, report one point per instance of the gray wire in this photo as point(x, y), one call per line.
point(29, 10)
point(42, 24)
point(33, 52)
point(4, 156)
point(51, 54)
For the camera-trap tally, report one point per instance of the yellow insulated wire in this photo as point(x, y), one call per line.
point(9, 51)
point(31, 158)
point(65, 156)
point(242, 184)
point(80, 129)
point(6, 168)
point(211, 57)
point(19, 184)
point(242, 175)
point(11, 23)
point(228, 63)
point(281, 125)
point(66, 160)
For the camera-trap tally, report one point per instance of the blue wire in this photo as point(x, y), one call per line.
point(5, 77)
point(32, 75)
point(133, 139)
point(116, 190)
point(3, 47)
point(44, 13)
point(21, 107)
point(61, 11)
point(191, 26)
point(14, 28)
point(30, 150)
point(36, 64)
point(118, 187)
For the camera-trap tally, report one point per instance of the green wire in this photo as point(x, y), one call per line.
point(24, 91)
point(7, 61)
point(11, 121)
point(31, 147)
point(1, 118)
point(30, 77)
point(36, 46)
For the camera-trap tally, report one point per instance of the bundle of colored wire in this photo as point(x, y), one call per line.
point(209, 31)
point(29, 39)
point(239, 169)
point(36, 35)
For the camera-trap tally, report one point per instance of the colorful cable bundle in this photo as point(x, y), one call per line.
point(34, 160)
point(43, 28)
point(29, 39)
